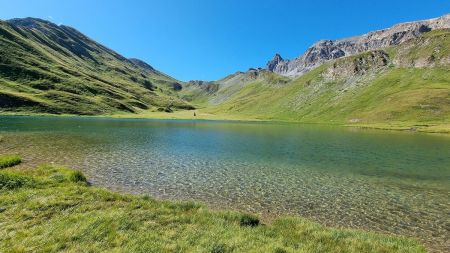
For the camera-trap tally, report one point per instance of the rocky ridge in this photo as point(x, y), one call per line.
point(326, 50)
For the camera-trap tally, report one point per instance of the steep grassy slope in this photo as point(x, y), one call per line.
point(406, 83)
point(52, 209)
point(56, 69)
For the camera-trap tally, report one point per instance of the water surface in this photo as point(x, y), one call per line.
point(393, 182)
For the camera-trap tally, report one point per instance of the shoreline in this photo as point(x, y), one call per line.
point(69, 189)
point(413, 127)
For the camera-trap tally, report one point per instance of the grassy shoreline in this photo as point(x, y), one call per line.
point(54, 209)
point(422, 127)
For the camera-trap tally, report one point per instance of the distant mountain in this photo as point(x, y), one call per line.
point(52, 68)
point(216, 92)
point(326, 50)
point(383, 80)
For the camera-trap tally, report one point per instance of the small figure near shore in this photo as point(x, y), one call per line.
point(195, 114)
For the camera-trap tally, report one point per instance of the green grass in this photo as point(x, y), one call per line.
point(9, 160)
point(51, 209)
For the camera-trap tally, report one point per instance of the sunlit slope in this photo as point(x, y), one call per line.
point(409, 82)
point(56, 69)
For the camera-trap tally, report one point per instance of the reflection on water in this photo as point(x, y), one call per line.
point(385, 181)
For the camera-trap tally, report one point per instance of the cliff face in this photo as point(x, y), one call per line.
point(326, 50)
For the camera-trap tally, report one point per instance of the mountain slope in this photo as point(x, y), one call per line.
point(56, 69)
point(211, 93)
point(409, 82)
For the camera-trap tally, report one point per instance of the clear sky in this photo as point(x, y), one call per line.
point(209, 39)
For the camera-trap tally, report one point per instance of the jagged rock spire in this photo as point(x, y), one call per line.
point(272, 64)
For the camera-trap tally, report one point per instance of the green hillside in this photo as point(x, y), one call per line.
point(47, 68)
point(406, 84)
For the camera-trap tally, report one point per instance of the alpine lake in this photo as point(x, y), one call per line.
point(385, 181)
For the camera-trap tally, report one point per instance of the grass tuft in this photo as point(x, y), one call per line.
point(249, 220)
point(280, 250)
point(9, 161)
point(77, 176)
point(219, 248)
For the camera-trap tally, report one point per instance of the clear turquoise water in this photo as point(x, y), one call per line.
point(393, 182)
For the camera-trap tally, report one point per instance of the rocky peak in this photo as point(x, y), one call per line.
point(326, 50)
point(274, 62)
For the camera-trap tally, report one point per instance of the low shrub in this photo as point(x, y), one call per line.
point(77, 176)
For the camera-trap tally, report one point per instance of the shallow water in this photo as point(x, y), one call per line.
point(394, 182)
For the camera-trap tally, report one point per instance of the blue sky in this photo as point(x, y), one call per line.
point(209, 39)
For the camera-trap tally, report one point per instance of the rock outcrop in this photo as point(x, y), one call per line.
point(357, 65)
point(206, 86)
point(326, 50)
